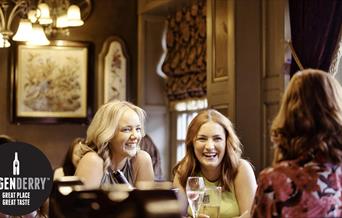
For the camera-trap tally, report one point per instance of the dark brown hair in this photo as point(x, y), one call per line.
point(68, 166)
point(148, 145)
point(310, 118)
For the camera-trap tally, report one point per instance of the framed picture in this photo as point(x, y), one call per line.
point(50, 83)
point(113, 70)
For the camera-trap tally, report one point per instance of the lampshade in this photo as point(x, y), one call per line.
point(24, 31)
point(44, 18)
point(4, 42)
point(38, 36)
point(62, 21)
point(74, 16)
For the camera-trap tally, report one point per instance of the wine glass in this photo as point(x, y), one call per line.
point(194, 191)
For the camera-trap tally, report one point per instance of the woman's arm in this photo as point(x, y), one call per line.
point(245, 187)
point(142, 167)
point(90, 170)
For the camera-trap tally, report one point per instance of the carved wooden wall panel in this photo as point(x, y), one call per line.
point(221, 54)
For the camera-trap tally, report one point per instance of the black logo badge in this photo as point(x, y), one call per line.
point(25, 178)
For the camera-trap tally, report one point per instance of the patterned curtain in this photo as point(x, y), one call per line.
point(185, 62)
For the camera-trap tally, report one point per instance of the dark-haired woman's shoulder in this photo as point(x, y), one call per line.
point(318, 183)
point(276, 175)
point(281, 170)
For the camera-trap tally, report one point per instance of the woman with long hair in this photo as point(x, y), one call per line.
point(112, 144)
point(306, 177)
point(213, 151)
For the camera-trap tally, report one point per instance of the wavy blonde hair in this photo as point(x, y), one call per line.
point(104, 125)
point(310, 118)
point(190, 166)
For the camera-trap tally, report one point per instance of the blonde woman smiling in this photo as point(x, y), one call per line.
point(112, 144)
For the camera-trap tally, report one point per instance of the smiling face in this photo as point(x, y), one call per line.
point(210, 145)
point(127, 136)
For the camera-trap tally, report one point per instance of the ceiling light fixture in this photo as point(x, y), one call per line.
point(37, 18)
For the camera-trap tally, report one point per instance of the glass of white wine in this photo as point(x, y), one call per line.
point(211, 202)
point(194, 191)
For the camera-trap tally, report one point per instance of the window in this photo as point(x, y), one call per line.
point(184, 112)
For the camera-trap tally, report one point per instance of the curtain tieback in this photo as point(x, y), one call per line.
point(295, 56)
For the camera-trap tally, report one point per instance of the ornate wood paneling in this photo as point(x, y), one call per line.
point(221, 56)
point(273, 66)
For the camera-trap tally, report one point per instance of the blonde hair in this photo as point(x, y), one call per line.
point(310, 118)
point(104, 125)
point(190, 166)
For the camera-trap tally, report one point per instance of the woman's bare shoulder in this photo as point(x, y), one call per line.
point(142, 166)
point(142, 156)
point(92, 158)
point(245, 165)
point(90, 169)
point(245, 173)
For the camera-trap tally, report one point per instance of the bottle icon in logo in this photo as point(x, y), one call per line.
point(16, 164)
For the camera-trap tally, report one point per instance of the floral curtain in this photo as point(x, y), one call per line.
point(185, 62)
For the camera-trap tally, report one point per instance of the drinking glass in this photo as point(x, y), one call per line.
point(194, 191)
point(211, 202)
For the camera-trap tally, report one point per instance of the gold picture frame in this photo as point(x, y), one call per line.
point(50, 83)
